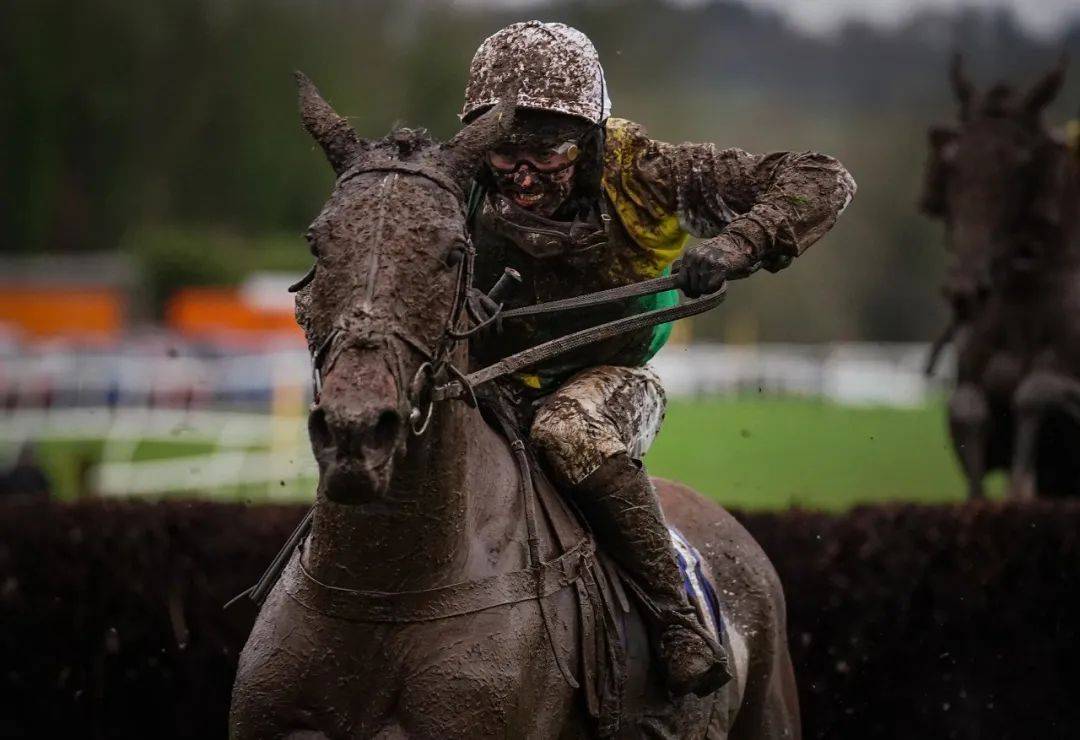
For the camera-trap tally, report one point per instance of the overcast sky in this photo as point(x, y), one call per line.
point(1044, 17)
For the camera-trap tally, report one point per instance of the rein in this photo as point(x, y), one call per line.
point(455, 600)
point(599, 333)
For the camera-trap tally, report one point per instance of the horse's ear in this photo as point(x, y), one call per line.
point(961, 85)
point(1044, 91)
point(334, 134)
point(464, 153)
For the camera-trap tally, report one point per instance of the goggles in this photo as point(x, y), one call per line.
point(550, 159)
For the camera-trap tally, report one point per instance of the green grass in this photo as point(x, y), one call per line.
point(65, 460)
point(747, 452)
point(773, 453)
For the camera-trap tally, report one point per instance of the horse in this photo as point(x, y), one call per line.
point(1008, 190)
point(410, 610)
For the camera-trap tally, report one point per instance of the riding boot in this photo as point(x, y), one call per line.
point(622, 507)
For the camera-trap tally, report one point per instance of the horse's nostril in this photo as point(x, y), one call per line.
point(319, 429)
point(385, 432)
point(331, 429)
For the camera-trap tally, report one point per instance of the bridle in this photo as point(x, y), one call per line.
point(363, 328)
point(437, 378)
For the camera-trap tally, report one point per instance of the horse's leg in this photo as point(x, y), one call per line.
point(969, 420)
point(1037, 394)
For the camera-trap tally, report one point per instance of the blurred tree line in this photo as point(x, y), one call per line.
point(168, 129)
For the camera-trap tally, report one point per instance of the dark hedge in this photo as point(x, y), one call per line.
point(904, 621)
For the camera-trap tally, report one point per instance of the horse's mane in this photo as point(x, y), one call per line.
point(402, 143)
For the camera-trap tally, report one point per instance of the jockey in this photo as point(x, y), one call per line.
point(578, 201)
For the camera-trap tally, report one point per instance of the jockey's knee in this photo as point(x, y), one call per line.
point(572, 443)
point(599, 413)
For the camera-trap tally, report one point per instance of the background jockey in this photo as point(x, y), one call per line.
point(577, 202)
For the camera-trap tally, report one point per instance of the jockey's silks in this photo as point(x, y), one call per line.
point(656, 196)
point(646, 237)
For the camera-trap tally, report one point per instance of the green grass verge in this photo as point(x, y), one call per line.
point(761, 453)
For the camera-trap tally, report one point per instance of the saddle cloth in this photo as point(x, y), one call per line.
point(698, 587)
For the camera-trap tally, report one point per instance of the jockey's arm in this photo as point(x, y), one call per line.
point(754, 210)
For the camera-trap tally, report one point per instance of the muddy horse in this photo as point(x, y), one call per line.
point(1007, 189)
point(443, 590)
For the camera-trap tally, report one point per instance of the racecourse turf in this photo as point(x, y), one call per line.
point(747, 452)
point(770, 453)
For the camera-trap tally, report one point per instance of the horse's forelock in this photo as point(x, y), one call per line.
point(405, 144)
point(377, 225)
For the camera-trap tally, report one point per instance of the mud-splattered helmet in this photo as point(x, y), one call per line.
point(552, 66)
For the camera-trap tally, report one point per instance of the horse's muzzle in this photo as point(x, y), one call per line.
point(356, 432)
point(356, 461)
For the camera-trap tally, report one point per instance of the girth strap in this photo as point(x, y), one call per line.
point(438, 603)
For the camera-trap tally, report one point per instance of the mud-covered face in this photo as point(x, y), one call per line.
point(536, 165)
point(538, 179)
point(996, 182)
point(985, 181)
point(388, 248)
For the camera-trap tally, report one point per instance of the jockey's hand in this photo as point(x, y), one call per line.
point(706, 266)
point(481, 308)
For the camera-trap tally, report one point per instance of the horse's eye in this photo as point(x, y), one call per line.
point(455, 254)
point(309, 235)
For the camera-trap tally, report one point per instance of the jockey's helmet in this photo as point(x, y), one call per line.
point(548, 66)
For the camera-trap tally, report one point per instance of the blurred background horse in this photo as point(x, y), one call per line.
point(1008, 190)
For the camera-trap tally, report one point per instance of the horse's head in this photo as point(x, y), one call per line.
point(390, 247)
point(996, 180)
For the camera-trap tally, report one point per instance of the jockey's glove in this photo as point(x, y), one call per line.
point(480, 307)
point(705, 266)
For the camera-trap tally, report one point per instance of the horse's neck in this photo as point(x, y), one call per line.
point(452, 513)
